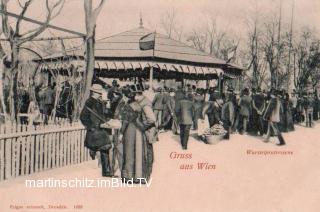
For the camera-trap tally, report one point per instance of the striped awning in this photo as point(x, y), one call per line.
point(131, 65)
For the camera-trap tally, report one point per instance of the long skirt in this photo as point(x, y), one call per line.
point(289, 121)
point(315, 112)
point(137, 154)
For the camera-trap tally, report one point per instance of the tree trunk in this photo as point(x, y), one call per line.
point(13, 83)
point(89, 68)
point(3, 105)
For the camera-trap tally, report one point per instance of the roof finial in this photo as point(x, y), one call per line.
point(141, 22)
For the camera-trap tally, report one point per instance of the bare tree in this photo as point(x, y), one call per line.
point(307, 59)
point(170, 25)
point(269, 48)
point(199, 39)
point(208, 37)
point(16, 39)
point(258, 42)
point(290, 37)
point(91, 15)
point(274, 46)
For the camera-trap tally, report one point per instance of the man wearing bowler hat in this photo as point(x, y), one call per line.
point(158, 104)
point(97, 139)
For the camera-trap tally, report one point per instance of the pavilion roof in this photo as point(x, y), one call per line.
point(122, 50)
point(126, 46)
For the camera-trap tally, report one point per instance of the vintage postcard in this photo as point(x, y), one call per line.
point(167, 105)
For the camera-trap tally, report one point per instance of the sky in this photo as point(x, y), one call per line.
point(122, 15)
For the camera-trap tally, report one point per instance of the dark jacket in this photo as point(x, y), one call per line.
point(227, 112)
point(245, 105)
point(158, 101)
point(198, 101)
point(179, 95)
point(49, 96)
point(258, 102)
point(185, 110)
point(166, 99)
point(170, 104)
point(96, 137)
point(114, 95)
point(211, 109)
point(270, 108)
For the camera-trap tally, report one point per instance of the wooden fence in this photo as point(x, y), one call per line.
point(25, 150)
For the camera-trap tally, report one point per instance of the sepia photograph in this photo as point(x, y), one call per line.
point(160, 105)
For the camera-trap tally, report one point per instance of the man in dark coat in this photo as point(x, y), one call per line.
point(211, 109)
point(308, 108)
point(169, 121)
point(294, 104)
point(166, 111)
point(316, 104)
point(179, 95)
point(258, 106)
point(185, 110)
point(272, 115)
point(49, 99)
point(227, 115)
point(158, 106)
point(92, 117)
point(114, 95)
point(245, 107)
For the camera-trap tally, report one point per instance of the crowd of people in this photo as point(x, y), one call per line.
point(31, 109)
point(143, 114)
point(257, 112)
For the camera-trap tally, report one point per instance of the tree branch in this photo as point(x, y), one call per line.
point(49, 17)
point(6, 28)
point(24, 10)
point(97, 10)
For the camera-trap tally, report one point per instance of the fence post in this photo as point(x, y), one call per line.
point(2, 150)
point(23, 150)
point(45, 142)
point(32, 150)
point(28, 150)
point(37, 150)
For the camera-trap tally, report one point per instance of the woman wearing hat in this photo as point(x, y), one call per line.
point(198, 99)
point(138, 131)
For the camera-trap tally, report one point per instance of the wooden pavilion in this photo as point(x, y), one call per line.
point(120, 56)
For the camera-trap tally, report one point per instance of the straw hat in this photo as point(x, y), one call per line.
point(97, 88)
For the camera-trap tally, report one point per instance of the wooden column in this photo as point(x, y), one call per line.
point(151, 79)
point(238, 83)
point(220, 86)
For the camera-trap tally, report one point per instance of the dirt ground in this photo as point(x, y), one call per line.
point(235, 180)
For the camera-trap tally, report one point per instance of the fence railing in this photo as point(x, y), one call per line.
point(25, 150)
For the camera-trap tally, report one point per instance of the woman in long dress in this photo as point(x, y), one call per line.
point(287, 109)
point(138, 124)
point(34, 112)
point(316, 104)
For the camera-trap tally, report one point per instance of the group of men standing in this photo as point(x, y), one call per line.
point(254, 112)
